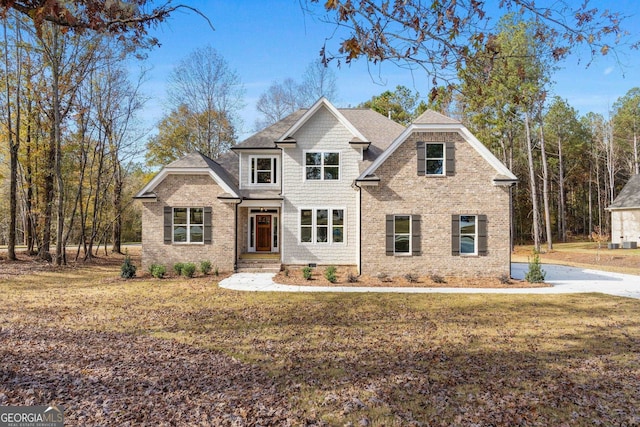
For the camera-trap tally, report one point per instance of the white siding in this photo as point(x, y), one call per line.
point(625, 226)
point(245, 169)
point(322, 132)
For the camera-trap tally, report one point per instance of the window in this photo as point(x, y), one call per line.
point(436, 158)
point(322, 166)
point(403, 235)
point(188, 225)
point(468, 235)
point(322, 225)
point(263, 170)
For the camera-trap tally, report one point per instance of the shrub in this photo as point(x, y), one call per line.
point(177, 268)
point(216, 272)
point(436, 278)
point(128, 270)
point(352, 278)
point(504, 279)
point(411, 278)
point(157, 270)
point(384, 277)
point(535, 274)
point(188, 269)
point(286, 272)
point(205, 267)
point(330, 274)
point(306, 273)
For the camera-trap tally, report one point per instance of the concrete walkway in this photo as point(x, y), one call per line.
point(564, 280)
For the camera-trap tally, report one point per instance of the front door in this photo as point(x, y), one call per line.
point(263, 233)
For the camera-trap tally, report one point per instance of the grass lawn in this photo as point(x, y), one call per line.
point(185, 352)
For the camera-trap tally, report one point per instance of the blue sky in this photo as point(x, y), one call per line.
point(267, 41)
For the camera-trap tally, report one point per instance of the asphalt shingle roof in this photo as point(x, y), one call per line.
point(629, 197)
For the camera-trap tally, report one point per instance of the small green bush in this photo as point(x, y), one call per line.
point(188, 269)
point(286, 272)
point(330, 274)
point(306, 273)
point(177, 268)
point(128, 270)
point(535, 274)
point(157, 270)
point(205, 267)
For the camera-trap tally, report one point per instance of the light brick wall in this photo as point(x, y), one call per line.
point(323, 132)
point(436, 199)
point(625, 226)
point(188, 191)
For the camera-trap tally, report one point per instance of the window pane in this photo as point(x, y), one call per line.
point(275, 231)
point(313, 173)
point(338, 235)
point(264, 164)
point(434, 167)
point(332, 159)
point(180, 215)
point(331, 172)
point(402, 243)
point(264, 177)
point(338, 217)
point(467, 224)
point(305, 234)
point(180, 234)
point(196, 216)
point(313, 159)
point(435, 151)
point(467, 244)
point(402, 224)
point(196, 234)
point(322, 217)
point(322, 234)
point(306, 217)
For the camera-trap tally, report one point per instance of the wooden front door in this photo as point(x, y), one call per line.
point(263, 233)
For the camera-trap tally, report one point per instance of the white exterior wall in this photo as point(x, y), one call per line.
point(322, 132)
point(245, 169)
point(625, 226)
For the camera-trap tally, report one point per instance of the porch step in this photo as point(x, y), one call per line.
point(258, 266)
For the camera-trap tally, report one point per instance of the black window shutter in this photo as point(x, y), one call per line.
point(416, 248)
point(207, 225)
point(420, 148)
point(455, 235)
point(482, 235)
point(389, 227)
point(451, 158)
point(168, 222)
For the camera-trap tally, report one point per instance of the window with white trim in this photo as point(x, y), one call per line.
point(468, 235)
point(263, 170)
point(434, 159)
point(188, 225)
point(322, 166)
point(402, 234)
point(323, 225)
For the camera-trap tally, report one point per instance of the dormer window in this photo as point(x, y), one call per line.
point(263, 170)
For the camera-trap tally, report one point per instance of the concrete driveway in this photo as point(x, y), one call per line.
point(564, 280)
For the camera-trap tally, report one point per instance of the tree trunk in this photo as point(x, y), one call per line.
point(117, 210)
point(545, 192)
point(532, 185)
point(562, 207)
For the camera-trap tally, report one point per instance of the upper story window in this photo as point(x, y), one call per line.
point(322, 166)
point(434, 159)
point(263, 170)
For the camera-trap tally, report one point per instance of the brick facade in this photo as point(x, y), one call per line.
point(470, 191)
point(181, 190)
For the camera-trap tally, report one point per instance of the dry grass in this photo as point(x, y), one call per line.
point(328, 359)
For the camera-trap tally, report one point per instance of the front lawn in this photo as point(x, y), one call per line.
point(185, 352)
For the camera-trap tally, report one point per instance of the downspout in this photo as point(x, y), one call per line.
point(355, 183)
point(235, 243)
point(511, 245)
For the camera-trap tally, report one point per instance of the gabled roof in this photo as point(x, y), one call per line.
point(193, 163)
point(629, 197)
point(431, 121)
point(265, 139)
point(322, 102)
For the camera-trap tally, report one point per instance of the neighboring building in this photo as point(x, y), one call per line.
point(338, 186)
point(625, 214)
